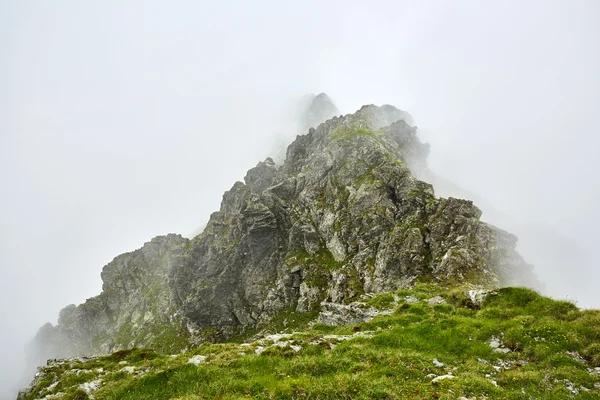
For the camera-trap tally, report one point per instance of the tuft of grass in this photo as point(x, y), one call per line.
point(382, 301)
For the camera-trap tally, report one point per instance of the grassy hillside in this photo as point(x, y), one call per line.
point(518, 345)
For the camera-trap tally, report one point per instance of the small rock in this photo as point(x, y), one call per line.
point(296, 348)
point(411, 300)
point(436, 300)
point(90, 387)
point(197, 360)
point(575, 356)
point(128, 369)
point(333, 314)
point(277, 337)
point(437, 363)
point(259, 350)
point(571, 387)
point(442, 377)
point(52, 387)
point(477, 296)
point(497, 345)
point(58, 395)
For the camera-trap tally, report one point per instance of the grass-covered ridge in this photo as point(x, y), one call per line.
point(518, 345)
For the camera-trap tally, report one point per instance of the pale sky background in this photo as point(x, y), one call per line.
point(120, 121)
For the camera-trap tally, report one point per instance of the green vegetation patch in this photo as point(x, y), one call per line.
point(353, 130)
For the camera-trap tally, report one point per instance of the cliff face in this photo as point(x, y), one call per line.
point(342, 216)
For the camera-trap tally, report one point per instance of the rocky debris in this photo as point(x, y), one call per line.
point(575, 356)
point(477, 296)
point(343, 215)
point(296, 348)
point(333, 314)
point(502, 365)
point(90, 387)
point(128, 369)
point(496, 344)
point(411, 300)
point(284, 344)
point(437, 363)
point(436, 300)
point(197, 360)
point(571, 387)
point(52, 387)
point(594, 371)
point(58, 395)
point(334, 340)
point(293, 341)
point(442, 377)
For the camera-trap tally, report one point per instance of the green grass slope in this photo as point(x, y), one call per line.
point(518, 345)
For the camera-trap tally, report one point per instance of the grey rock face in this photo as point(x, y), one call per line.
point(342, 216)
point(135, 308)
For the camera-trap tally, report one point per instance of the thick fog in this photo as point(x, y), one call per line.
point(120, 121)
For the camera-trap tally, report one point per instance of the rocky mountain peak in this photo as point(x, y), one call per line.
point(342, 217)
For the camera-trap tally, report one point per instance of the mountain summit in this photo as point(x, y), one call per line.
point(343, 216)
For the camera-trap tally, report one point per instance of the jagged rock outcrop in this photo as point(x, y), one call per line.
point(135, 308)
point(342, 216)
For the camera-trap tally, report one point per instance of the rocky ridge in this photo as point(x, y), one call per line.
point(342, 217)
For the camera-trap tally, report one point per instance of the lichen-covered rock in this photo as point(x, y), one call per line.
point(342, 216)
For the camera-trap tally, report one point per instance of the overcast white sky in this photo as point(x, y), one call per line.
point(120, 121)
